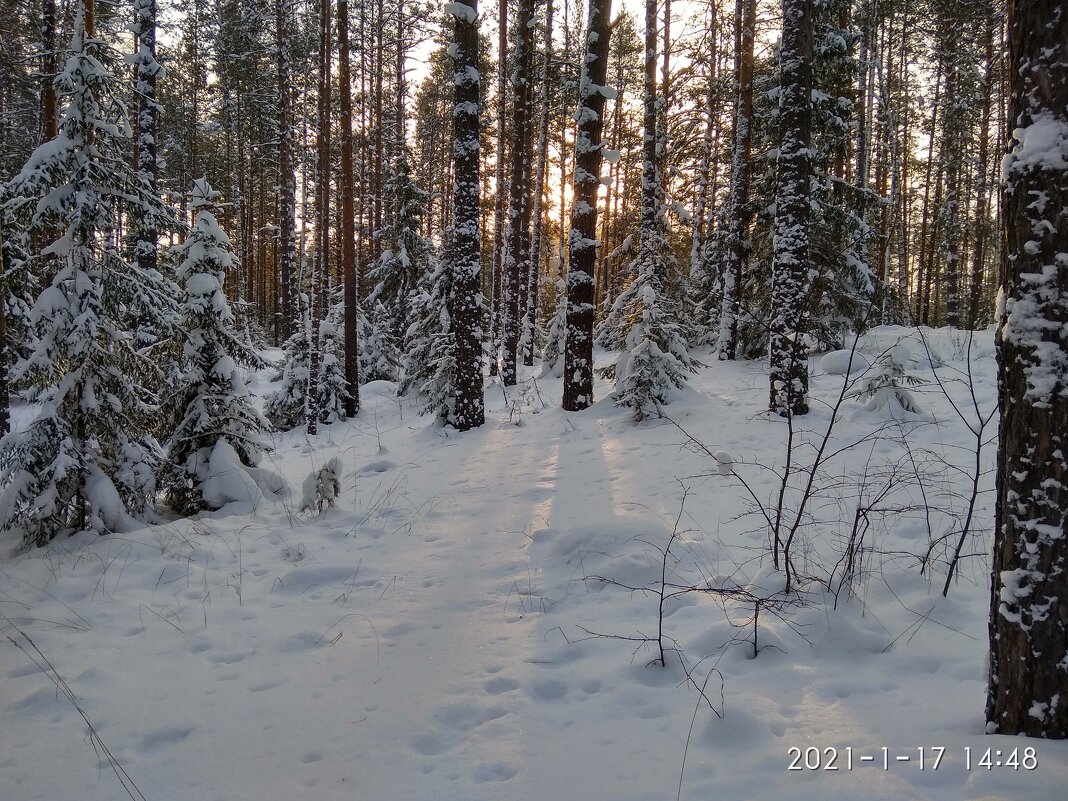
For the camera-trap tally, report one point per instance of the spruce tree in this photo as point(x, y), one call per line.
point(212, 403)
point(398, 270)
point(644, 321)
point(87, 460)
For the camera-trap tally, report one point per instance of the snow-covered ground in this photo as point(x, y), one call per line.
point(465, 624)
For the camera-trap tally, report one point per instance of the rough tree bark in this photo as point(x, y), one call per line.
point(517, 254)
point(500, 202)
point(348, 215)
point(1028, 686)
point(146, 69)
point(738, 216)
point(578, 353)
point(321, 268)
point(287, 180)
point(541, 154)
point(792, 272)
point(464, 248)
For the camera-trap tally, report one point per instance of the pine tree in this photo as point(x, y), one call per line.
point(1029, 590)
point(578, 352)
point(349, 278)
point(211, 403)
point(87, 460)
point(517, 255)
point(146, 71)
point(792, 281)
point(463, 245)
point(737, 245)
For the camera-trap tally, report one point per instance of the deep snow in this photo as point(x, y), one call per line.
point(429, 637)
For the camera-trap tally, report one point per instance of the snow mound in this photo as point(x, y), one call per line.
point(227, 480)
point(844, 362)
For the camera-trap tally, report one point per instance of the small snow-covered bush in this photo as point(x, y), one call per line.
point(321, 487)
point(884, 390)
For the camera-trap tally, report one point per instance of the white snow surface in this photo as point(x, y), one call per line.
point(427, 639)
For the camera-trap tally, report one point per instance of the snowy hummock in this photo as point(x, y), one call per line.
point(423, 640)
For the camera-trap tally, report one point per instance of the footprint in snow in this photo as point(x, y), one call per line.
point(465, 716)
point(493, 772)
point(500, 684)
point(548, 689)
point(163, 738)
point(434, 744)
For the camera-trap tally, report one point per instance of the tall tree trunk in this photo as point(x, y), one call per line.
point(541, 155)
point(146, 71)
point(982, 190)
point(49, 112)
point(578, 353)
point(651, 187)
point(464, 256)
point(738, 214)
point(500, 203)
point(1029, 587)
point(792, 278)
point(5, 350)
point(704, 178)
point(287, 180)
point(949, 153)
point(517, 255)
point(348, 215)
point(922, 282)
point(321, 269)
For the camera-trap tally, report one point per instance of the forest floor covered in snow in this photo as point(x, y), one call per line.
point(477, 618)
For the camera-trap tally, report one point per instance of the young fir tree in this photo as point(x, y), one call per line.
point(285, 408)
point(211, 403)
point(380, 353)
point(645, 320)
point(430, 359)
point(333, 385)
point(87, 460)
point(404, 255)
